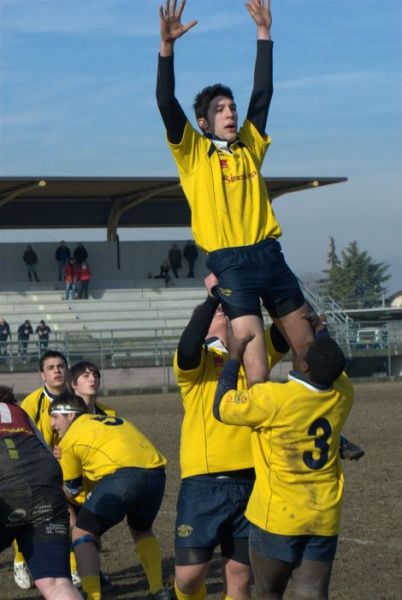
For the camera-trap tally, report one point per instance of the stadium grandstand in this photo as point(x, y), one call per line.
point(131, 322)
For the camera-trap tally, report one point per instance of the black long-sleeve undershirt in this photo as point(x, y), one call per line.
point(193, 337)
point(173, 115)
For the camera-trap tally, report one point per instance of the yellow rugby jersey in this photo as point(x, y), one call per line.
point(87, 485)
point(295, 442)
point(95, 446)
point(36, 405)
point(227, 195)
point(206, 445)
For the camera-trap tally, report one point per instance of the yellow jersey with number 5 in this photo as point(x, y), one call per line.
point(98, 445)
point(295, 431)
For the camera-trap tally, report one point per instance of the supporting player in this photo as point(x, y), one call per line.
point(33, 508)
point(216, 461)
point(294, 508)
point(232, 218)
point(128, 474)
point(53, 372)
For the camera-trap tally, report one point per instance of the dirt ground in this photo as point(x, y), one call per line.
point(368, 565)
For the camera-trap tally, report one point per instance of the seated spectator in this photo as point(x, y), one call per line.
point(24, 332)
point(84, 276)
point(71, 277)
point(62, 255)
point(164, 272)
point(80, 253)
point(30, 258)
point(43, 331)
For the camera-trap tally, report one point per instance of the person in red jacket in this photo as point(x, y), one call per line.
point(71, 272)
point(85, 275)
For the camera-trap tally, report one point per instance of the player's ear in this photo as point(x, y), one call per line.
point(202, 123)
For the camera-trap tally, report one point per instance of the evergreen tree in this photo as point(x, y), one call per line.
point(355, 280)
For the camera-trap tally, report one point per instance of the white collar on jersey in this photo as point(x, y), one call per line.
point(215, 342)
point(314, 387)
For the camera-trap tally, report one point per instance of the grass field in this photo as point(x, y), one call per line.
point(368, 565)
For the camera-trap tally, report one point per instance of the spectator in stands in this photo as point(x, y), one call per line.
point(71, 277)
point(62, 255)
point(175, 259)
point(24, 332)
point(164, 272)
point(5, 333)
point(33, 507)
point(43, 331)
point(30, 258)
point(80, 254)
point(84, 276)
point(190, 253)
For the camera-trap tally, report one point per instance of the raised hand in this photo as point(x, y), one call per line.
point(260, 12)
point(170, 22)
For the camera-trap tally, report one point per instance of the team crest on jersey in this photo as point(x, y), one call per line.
point(224, 163)
point(225, 291)
point(184, 531)
point(239, 398)
point(19, 514)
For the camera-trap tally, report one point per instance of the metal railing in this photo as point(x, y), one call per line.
point(155, 347)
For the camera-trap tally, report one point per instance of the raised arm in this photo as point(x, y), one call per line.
point(257, 113)
point(193, 337)
point(171, 29)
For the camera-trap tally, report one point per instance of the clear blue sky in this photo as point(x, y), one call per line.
point(77, 98)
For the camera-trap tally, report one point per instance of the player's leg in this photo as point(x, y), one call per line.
point(190, 579)
point(271, 576)
point(148, 486)
point(312, 574)
point(251, 327)
point(237, 579)
point(311, 580)
point(298, 333)
point(57, 589)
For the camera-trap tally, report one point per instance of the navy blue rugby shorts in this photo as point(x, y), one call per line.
point(249, 274)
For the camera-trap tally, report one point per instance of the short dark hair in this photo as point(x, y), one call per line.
point(80, 367)
point(204, 98)
point(51, 354)
point(325, 360)
point(7, 395)
point(68, 402)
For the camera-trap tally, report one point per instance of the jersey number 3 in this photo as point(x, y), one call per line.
point(320, 443)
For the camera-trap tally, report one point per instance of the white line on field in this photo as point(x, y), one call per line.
point(369, 543)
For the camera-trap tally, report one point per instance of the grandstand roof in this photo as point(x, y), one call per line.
point(111, 202)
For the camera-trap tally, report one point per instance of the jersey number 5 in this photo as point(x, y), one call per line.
point(320, 443)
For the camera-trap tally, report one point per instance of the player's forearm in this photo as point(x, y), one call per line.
point(172, 114)
point(166, 48)
point(263, 33)
point(193, 337)
point(227, 382)
point(263, 86)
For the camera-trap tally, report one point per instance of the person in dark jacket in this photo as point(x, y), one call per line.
point(62, 255)
point(80, 254)
point(5, 333)
point(43, 331)
point(30, 259)
point(24, 332)
point(175, 259)
point(190, 253)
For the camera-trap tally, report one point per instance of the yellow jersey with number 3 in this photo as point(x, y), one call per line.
point(226, 192)
point(96, 445)
point(295, 441)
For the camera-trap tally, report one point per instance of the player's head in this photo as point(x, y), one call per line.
point(7, 395)
point(85, 378)
point(53, 370)
point(325, 360)
point(64, 410)
point(216, 112)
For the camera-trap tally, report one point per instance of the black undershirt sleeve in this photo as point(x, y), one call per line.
point(227, 381)
point(263, 86)
point(172, 113)
point(192, 338)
